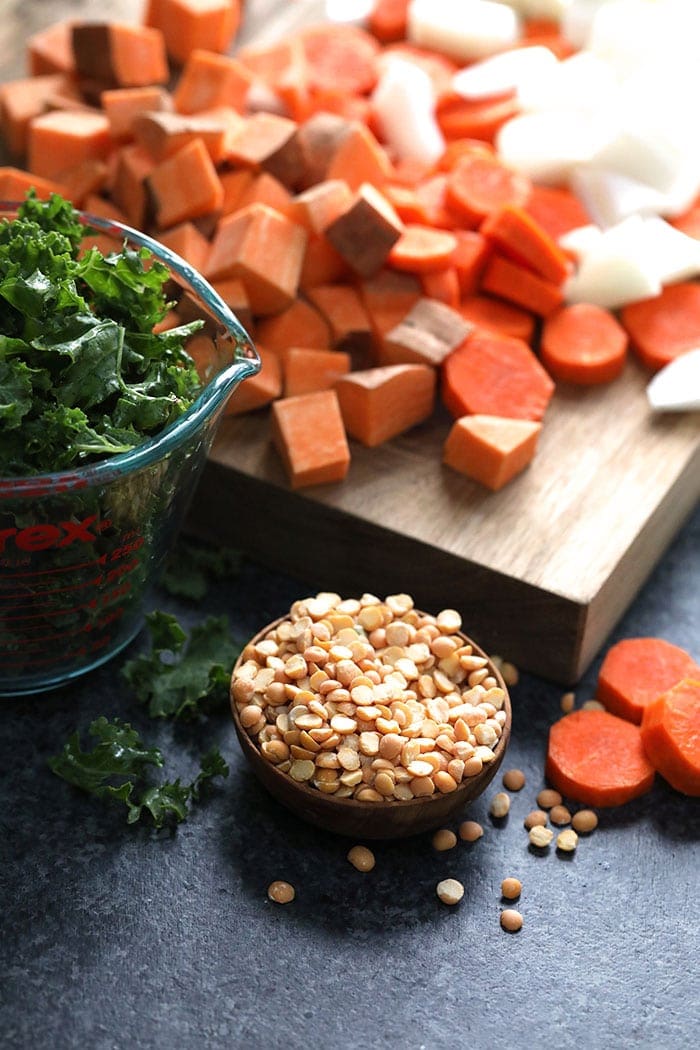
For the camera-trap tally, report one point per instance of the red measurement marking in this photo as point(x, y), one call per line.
point(86, 629)
point(118, 592)
point(94, 647)
point(109, 577)
point(56, 571)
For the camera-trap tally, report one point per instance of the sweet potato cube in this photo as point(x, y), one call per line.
point(119, 55)
point(258, 390)
point(265, 250)
point(185, 185)
point(306, 370)
point(351, 331)
point(359, 158)
point(268, 142)
point(491, 449)
point(61, 139)
point(364, 233)
point(298, 325)
point(190, 24)
point(318, 206)
point(14, 184)
point(426, 335)
point(21, 101)
point(377, 404)
point(309, 435)
point(232, 291)
point(123, 105)
point(164, 133)
point(130, 190)
point(186, 240)
point(209, 80)
point(319, 138)
point(50, 50)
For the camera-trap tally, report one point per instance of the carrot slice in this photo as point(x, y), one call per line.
point(388, 20)
point(461, 118)
point(491, 449)
point(583, 343)
point(556, 209)
point(442, 285)
point(309, 435)
point(520, 237)
point(477, 186)
point(521, 286)
point(662, 328)
point(421, 249)
point(495, 375)
point(379, 403)
point(342, 58)
point(598, 759)
point(636, 671)
point(671, 735)
point(497, 316)
point(469, 259)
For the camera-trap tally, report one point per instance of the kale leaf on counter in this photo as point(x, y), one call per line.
point(181, 677)
point(190, 567)
point(117, 768)
point(82, 373)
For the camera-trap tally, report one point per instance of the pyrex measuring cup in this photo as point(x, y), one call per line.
point(81, 549)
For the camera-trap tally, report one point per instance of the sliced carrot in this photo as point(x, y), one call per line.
point(21, 101)
point(496, 316)
point(426, 335)
point(377, 404)
point(495, 375)
point(583, 343)
point(469, 259)
point(366, 231)
point(671, 735)
point(122, 105)
point(461, 118)
point(520, 237)
point(477, 186)
point(187, 241)
point(431, 203)
point(543, 32)
point(265, 250)
point(521, 286)
point(455, 149)
point(341, 57)
point(190, 24)
point(257, 390)
point(209, 80)
point(662, 328)
point(355, 108)
point(309, 435)
point(359, 158)
point(637, 670)
point(491, 449)
point(268, 142)
point(50, 50)
point(556, 209)
point(300, 324)
point(421, 249)
point(442, 285)
point(388, 20)
point(306, 370)
point(598, 759)
point(62, 139)
point(185, 186)
point(118, 54)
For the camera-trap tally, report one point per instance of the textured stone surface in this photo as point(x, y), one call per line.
point(115, 937)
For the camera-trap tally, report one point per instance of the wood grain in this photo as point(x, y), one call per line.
point(541, 571)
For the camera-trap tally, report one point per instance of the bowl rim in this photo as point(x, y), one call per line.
point(181, 429)
point(286, 782)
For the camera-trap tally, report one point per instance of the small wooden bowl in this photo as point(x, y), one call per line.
point(371, 820)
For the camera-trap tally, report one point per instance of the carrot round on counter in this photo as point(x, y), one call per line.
point(422, 249)
point(519, 285)
point(671, 735)
point(598, 759)
point(340, 58)
point(635, 671)
point(665, 326)
point(583, 343)
point(496, 316)
point(495, 375)
point(520, 237)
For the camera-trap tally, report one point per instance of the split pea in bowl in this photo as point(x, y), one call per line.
point(370, 718)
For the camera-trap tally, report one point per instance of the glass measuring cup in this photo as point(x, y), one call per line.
point(81, 549)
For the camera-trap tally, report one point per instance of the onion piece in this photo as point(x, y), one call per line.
point(676, 388)
point(403, 103)
point(463, 29)
point(509, 71)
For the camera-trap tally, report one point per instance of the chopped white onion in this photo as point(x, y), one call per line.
point(676, 388)
point(511, 70)
point(464, 29)
point(547, 146)
point(403, 103)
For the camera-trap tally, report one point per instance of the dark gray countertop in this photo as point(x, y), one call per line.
point(116, 936)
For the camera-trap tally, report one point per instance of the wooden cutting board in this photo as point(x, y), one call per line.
point(540, 571)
